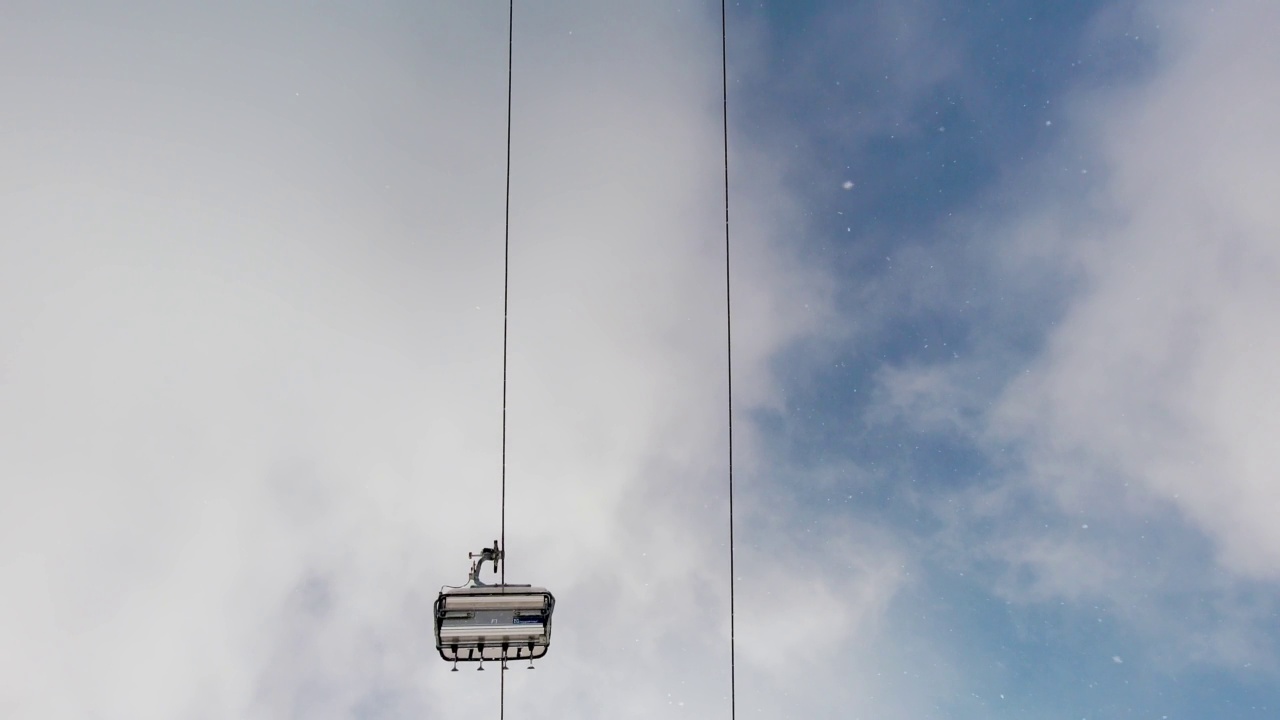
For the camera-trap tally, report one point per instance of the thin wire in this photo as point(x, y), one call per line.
point(506, 278)
point(728, 322)
point(506, 281)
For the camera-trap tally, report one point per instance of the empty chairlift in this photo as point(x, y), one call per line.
point(479, 622)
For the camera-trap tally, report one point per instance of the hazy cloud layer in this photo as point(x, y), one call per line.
point(251, 283)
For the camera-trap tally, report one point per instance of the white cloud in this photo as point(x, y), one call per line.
point(1158, 374)
point(250, 346)
point(1147, 414)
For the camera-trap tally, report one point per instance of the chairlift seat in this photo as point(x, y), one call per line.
point(493, 622)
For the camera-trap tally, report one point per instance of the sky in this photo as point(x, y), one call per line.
point(1002, 281)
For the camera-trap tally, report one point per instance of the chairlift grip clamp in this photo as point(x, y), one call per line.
point(493, 555)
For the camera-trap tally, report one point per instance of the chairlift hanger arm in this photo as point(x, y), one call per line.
point(493, 555)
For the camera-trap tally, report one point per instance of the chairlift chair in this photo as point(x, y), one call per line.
point(478, 622)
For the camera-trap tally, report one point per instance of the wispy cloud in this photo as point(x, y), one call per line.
point(1131, 438)
point(1158, 371)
